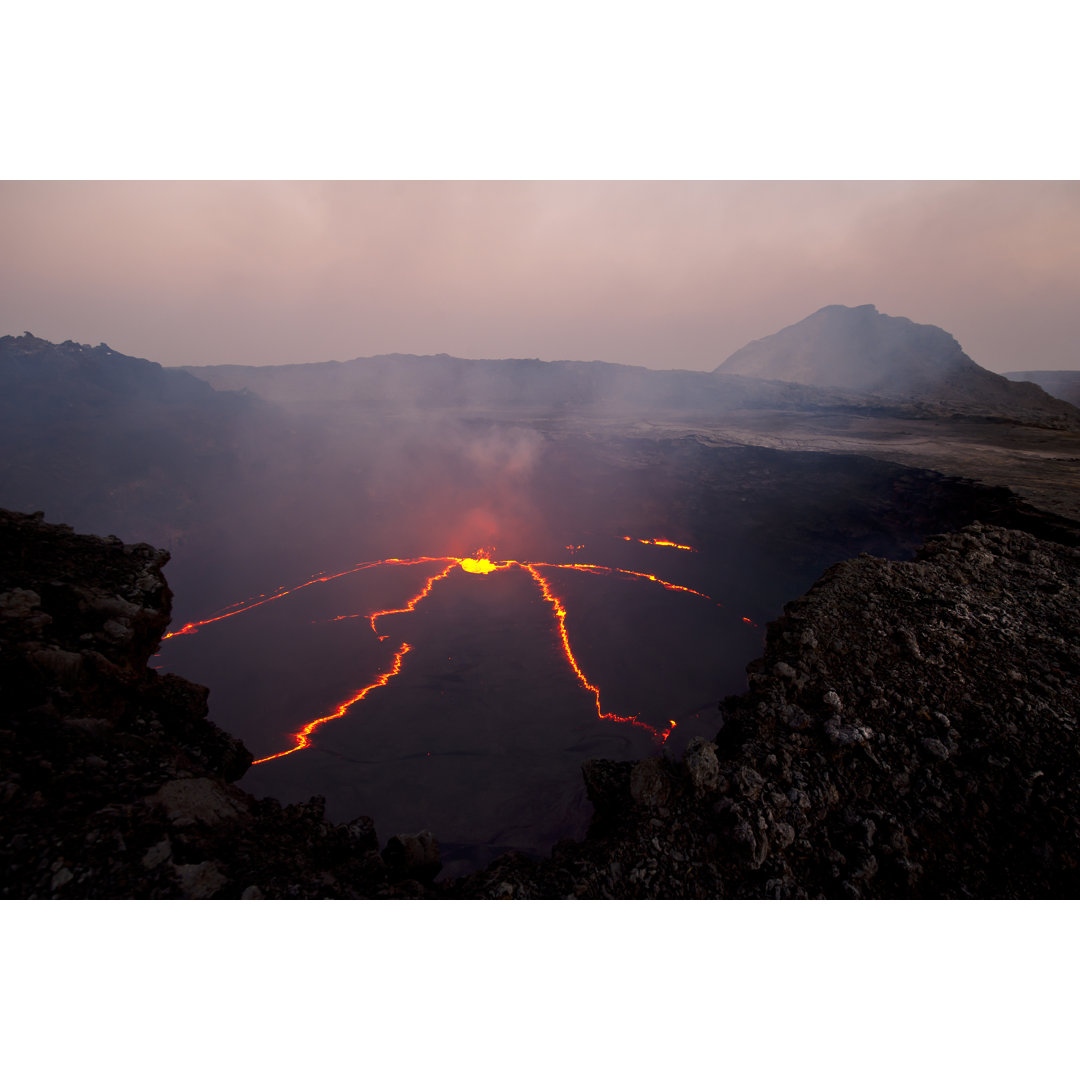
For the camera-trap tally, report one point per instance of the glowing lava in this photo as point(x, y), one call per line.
point(248, 605)
point(588, 568)
point(477, 563)
point(480, 565)
point(564, 640)
point(410, 605)
point(303, 736)
point(659, 543)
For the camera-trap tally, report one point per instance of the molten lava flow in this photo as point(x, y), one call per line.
point(477, 563)
point(477, 566)
point(660, 543)
point(480, 564)
point(564, 640)
point(411, 605)
point(303, 736)
point(243, 605)
point(588, 568)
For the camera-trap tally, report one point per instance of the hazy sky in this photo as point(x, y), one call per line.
point(664, 274)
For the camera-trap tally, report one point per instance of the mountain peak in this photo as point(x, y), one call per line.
point(856, 348)
point(860, 350)
point(866, 309)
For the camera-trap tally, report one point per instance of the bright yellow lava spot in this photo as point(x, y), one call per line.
point(477, 566)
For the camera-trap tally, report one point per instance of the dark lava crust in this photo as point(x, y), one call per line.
point(909, 732)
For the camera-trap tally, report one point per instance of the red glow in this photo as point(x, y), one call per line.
point(303, 736)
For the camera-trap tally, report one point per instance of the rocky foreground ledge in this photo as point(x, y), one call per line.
point(911, 731)
point(113, 782)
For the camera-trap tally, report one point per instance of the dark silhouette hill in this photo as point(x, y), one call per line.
point(110, 441)
point(1062, 384)
point(529, 386)
point(838, 358)
point(119, 445)
point(860, 350)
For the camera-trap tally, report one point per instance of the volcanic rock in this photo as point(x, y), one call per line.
point(114, 783)
point(883, 771)
point(649, 784)
point(413, 856)
point(702, 765)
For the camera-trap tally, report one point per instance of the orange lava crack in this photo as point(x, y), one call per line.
point(303, 736)
point(193, 627)
point(560, 619)
point(588, 568)
point(411, 605)
point(659, 543)
point(478, 563)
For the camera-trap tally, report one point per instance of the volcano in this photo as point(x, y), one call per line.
point(432, 612)
point(460, 693)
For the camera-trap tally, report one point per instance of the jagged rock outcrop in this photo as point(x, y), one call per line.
point(896, 361)
point(114, 442)
point(113, 782)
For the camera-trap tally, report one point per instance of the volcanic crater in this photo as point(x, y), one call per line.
point(477, 732)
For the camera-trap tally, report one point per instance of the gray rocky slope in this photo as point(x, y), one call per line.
point(896, 361)
point(911, 731)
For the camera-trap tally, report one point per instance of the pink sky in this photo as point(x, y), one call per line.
point(663, 274)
